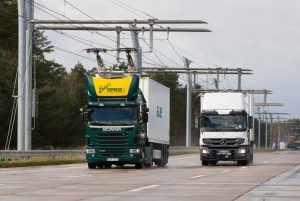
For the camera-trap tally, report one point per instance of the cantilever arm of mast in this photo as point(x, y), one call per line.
point(196, 70)
point(138, 29)
point(154, 21)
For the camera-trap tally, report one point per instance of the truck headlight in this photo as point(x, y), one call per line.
point(242, 151)
point(205, 151)
point(90, 151)
point(134, 151)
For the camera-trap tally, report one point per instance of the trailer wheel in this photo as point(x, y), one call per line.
point(204, 163)
point(92, 165)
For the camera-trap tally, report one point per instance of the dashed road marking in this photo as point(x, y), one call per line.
point(172, 159)
point(37, 170)
point(198, 176)
point(224, 171)
point(144, 188)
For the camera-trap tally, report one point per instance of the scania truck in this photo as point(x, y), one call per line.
point(226, 127)
point(127, 121)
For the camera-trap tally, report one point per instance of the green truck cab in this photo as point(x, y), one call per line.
point(116, 120)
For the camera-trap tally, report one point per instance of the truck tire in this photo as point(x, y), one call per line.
point(164, 157)
point(204, 163)
point(213, 163)
point(107, 166)
point(92, 165)
point(139, 165)
point(99, 165)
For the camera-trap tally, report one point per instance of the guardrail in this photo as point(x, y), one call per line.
point(36, 155)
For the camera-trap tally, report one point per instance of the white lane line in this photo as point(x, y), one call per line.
point(265, 161)
point(143, 188)
point(243, 167)
point(73, 176)
point(36, 170)
point(181, 158)
point(225, 171)
point(10, 172)
point(198, 176)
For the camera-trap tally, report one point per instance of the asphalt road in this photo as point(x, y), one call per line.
point(273, 176)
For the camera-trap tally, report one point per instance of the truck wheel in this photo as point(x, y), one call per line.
point(92, 165)
point(204, 163)
point(243, 163)
point(99, 165)
point(139, 165)
point(213, 163)
point(108, 166)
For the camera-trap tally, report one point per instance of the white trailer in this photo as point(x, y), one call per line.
point(158, 127)
point(226, 132)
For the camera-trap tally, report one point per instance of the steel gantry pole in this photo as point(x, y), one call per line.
point(259, 125)
point(21, 72)
point(136, 45)
point(28, 76)
point(187, 63)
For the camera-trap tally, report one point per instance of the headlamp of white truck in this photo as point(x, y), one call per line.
point(242, 151)
point(90, 151)
point(205, 151)
point(134, 151)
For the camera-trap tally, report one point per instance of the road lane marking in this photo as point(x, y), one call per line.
point(243, 167)
point(144, 188)
point(181, 158)
point(36, 170)
point(265, 161)
point(198, 176)
point(224, 171)
point(73, 176)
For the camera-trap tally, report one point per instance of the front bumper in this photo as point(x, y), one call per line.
point(130, 158)
point(224, 154)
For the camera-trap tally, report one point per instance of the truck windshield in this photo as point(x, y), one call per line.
point(224, 123)
point(113, 115)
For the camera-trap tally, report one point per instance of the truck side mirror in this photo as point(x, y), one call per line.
point(250, 122)
point(145, 117)
point(82, 115)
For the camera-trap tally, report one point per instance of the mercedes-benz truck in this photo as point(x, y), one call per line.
point(226, 127)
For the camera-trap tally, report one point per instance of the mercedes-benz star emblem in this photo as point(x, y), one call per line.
point(223, 142)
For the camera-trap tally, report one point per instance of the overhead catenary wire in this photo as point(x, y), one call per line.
point(162, 63)
point(65, 17)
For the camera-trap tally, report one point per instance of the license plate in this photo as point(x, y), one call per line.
point(112, 159)
point(224, 152)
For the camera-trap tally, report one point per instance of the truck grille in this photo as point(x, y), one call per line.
point(113, 144)
point(223, 142)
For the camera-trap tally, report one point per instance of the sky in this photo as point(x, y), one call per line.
point(261, 35)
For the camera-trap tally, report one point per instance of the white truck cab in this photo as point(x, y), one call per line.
point(226, 132)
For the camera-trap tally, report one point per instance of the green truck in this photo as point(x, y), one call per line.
point(127, 121)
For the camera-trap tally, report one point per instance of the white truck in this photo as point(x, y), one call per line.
point(226, 127)
point(158, 127)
